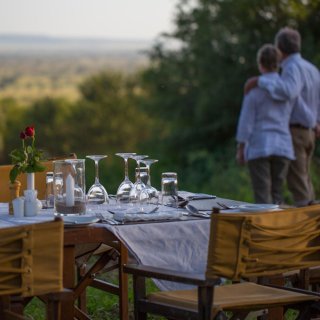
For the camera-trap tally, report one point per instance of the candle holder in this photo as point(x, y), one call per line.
point(69, 187)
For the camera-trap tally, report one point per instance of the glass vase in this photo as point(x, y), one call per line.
point(69, 187)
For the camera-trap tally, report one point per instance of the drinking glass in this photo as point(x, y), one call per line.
point(169, 189)
point(97, 194)
point(153, 192)
point(138, 185)
point(126, 185)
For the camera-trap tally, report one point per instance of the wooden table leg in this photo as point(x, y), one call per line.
point(67, 307)
point(123, 285)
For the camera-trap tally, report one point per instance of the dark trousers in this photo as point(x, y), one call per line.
point(267, 178)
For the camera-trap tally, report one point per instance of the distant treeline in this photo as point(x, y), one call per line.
point(30, 77)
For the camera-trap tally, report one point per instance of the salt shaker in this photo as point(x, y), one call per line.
point(31, 207)
point(18, 207)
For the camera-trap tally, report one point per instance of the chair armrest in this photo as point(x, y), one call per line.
point(170, 275)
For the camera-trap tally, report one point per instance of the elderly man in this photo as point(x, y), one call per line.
point(300, 84)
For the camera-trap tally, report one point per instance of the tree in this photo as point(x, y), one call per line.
point(51, 117)
point(196, 90)
point(107, 116)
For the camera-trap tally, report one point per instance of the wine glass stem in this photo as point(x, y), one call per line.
point(149, 175)
point(96, 162)
point(138, 177)
point(126, 175)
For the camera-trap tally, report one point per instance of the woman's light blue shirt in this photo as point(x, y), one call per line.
point(264, 125)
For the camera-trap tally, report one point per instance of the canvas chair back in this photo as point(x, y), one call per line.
point(263, 244)
point(31, 259)
point(40, 179)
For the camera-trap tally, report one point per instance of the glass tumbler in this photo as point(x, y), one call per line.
point(169, 189)
point(69, 187)
point(49, 200)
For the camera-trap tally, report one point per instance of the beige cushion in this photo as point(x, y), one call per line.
point(226, 297)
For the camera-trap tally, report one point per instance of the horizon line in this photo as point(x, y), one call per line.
point(85, 37)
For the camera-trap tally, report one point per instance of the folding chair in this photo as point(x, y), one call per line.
point(241, 246)
point(31, 264)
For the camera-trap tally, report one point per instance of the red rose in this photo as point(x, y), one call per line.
point(22, 135)
point(29, 131)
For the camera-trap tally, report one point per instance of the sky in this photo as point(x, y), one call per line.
point(119, 19)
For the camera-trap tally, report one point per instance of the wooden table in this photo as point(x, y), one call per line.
point(86, 235)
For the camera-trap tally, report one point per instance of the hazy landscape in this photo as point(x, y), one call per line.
point(33, 67)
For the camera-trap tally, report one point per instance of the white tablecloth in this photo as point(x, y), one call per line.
point(176, 245)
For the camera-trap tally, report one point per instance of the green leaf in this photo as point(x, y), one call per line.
point(29, 149)
point(13, 174)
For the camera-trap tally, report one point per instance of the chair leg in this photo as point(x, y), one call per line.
point(53, 310)
point(53, 303)
point(139, 292)
point(205, 298)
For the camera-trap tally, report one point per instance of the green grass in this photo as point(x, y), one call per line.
point(102, 305)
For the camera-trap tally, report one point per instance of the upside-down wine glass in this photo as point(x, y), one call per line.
point(138, 185)
point(97, 194)
point(123, 192)
point(153, 194)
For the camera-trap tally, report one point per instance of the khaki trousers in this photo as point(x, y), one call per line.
point(299, 180)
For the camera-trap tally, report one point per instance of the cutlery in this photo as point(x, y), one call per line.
point(107, 220)
point(224, 206)
point(182, 202)
point(193, 211)
point(200, 197)
point(121, 213)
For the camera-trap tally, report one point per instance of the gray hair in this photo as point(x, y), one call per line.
point(288, 40)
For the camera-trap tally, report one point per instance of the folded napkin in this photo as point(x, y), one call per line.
point(128, 213)
point(156, 216)
point(195, 196)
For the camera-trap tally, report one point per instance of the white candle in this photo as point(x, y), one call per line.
point(69, 191)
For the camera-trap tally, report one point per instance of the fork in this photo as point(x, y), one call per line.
point(224, 206)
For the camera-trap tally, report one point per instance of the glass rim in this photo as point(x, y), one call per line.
point(64, 161)
point(169, 173)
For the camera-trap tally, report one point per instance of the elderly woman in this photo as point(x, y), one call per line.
point(263, 135)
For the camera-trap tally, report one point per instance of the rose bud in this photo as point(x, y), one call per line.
point(29, 131)
point(22, 135)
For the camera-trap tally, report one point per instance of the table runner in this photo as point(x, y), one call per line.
point(178, 245)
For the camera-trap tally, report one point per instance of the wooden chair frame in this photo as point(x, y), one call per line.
point(27, 270)
point(241, 246)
